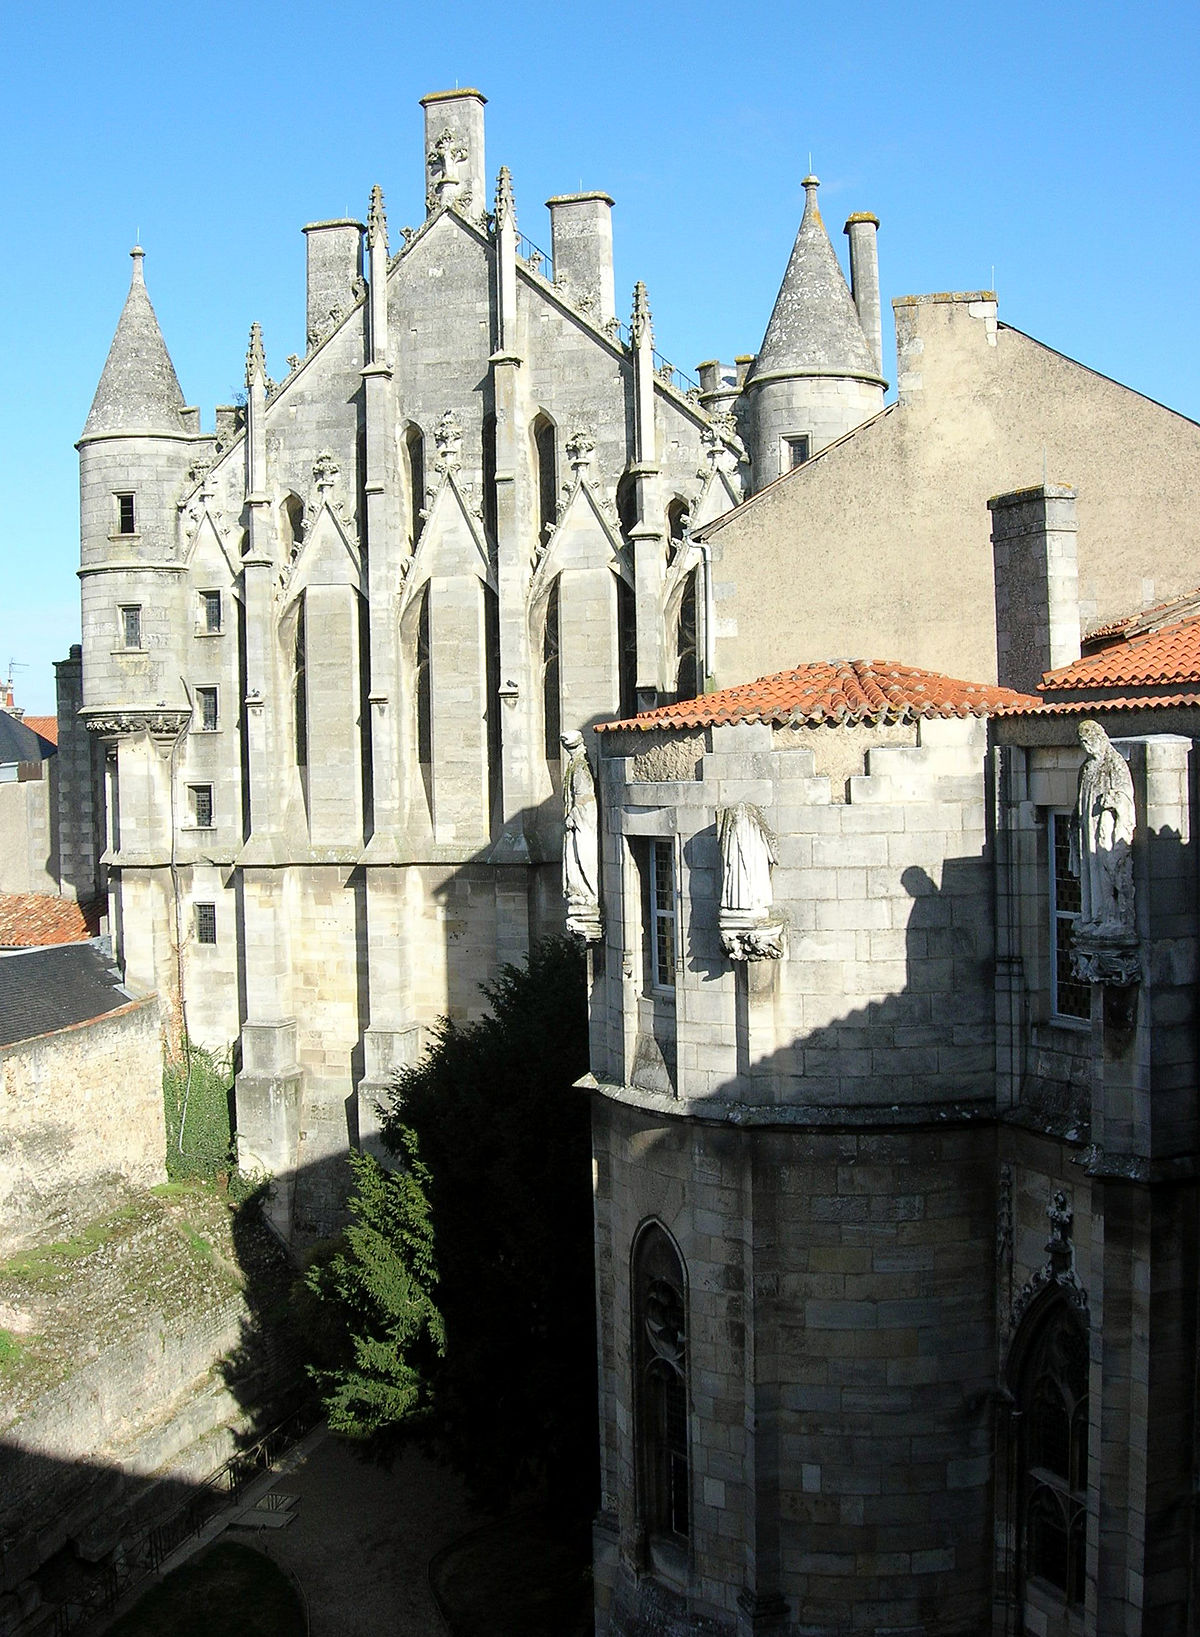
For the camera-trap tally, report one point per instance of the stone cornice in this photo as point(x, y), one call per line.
point(113, 721)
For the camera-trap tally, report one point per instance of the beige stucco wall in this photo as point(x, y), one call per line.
point(879, 548)
point(81, 1116)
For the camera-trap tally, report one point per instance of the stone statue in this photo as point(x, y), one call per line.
point(581, 849)
point(1102, 836)
point(1101, 856)
point(748, 851)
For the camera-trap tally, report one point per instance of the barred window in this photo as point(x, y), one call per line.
point(206, 923)
point(206, 709)
point(201, 799)
point(1068, 997)
point(131, 625)
point(210, 612)
point(126, 521)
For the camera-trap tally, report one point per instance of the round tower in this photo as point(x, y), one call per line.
point(816, 375)
point(134, 455)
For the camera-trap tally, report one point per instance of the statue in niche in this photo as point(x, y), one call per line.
point(581, 842)
point(748, 850)
point(1102, 859)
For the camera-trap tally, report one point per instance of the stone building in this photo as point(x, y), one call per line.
point(895, 1140)
point(330, 646)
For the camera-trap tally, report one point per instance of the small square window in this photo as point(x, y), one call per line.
point(131, 625)
point(126, 521)
point(202, 805)
point(206, 923)
point(210, 612)
point(796, 450)
point(206, 709)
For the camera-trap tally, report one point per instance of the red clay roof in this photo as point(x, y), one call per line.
point(840, 691)
point(46, 727)
point(1167, 657)
point(29, 920)
point(1146, 619)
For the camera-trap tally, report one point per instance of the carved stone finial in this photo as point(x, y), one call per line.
point(325, 472)
point(376, 220)
point(256, 363)
point(444, 159)
point(639, 323)
point(448, 435)
point(506, 210)
point(581, 446)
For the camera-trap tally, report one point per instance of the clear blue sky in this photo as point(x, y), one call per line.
point(1054, 142)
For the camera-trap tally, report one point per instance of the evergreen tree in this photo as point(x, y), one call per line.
point(495, 1352)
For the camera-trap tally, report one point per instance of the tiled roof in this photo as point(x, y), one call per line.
point(1095, 703)
point(1166, 657)
point(46, 727)
point(30, 920)
point(839, 691)
point(42, 990)
point(1146, 619)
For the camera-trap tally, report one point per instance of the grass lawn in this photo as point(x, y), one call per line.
point(516, 1578)
point(227, 1588)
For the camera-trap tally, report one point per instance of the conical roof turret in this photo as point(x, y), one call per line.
point(814, 327)
point(139, 390)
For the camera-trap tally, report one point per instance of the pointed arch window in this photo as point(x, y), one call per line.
point(414, 456)
point(423, 684)
point(545, 448)
point(1052, 1401)
point(291, 524)
point(660, 1388)
point(300, 689)
point(689, 678)
point(490, 519)
point(677, 519)
point(491, 665)
point(552, 677)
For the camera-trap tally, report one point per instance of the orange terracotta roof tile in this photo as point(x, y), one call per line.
point(30, 920)
point(1097, 703)
point(1146, 619)
point(46, 727)
point(1166, 657)
point(841, 691)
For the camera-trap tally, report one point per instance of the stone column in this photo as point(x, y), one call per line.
point(1037, 583)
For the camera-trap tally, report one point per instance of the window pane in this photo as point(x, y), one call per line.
point(206, 701)
point(662, 894)
point(202, 806)
point(206, 923)
point(211, 601)
point(1069, 997)
point(125, 517)
point(131, 627)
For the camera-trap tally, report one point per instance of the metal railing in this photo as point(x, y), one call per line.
point(535, 258)
point(139, 1558)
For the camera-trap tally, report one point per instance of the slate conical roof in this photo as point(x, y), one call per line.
point(814, 328)
point(139, 390)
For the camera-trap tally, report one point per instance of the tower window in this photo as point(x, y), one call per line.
point(796, 450)
point(206, 923)
point(210, 612)
point(200, 797)
point(661, 926)
point(206, 709)
point(1068, 997)
point(131, 625)
point(126, 522)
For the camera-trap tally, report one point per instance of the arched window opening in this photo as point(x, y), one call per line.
point(423, 686)
point(552, 678)
point(677, 519)
point(545, 450)
point(291, 525)
point(489, 476)
point(414, 450)
point(491, 663)
point(626, 648)
point(627, 511)
point(689, 677)
point(660, 1388)
point(300, 689)
point(1052, 1400)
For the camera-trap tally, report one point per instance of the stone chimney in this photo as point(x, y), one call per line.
point(861, 230)
point(581, 244)
point(454, 162)
point(335, 267)
point(1037, 583)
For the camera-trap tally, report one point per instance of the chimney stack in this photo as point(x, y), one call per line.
point(335, 266)
point(454, 161)
point(581, 244)
point(864, 279)
point(1037, 583)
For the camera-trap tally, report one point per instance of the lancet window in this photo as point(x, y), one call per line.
point(546, 458)
point(1052, 1400)
point(660, 1388)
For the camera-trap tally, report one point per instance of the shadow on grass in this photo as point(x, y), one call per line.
point(227, 1588)
point(526, 1575)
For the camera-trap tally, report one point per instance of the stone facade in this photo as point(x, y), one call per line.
point(930, 1196)
point(329, 648)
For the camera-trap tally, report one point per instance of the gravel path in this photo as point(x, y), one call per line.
point(362, 1537)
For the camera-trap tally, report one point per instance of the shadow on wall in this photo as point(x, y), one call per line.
point(147, 1371)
